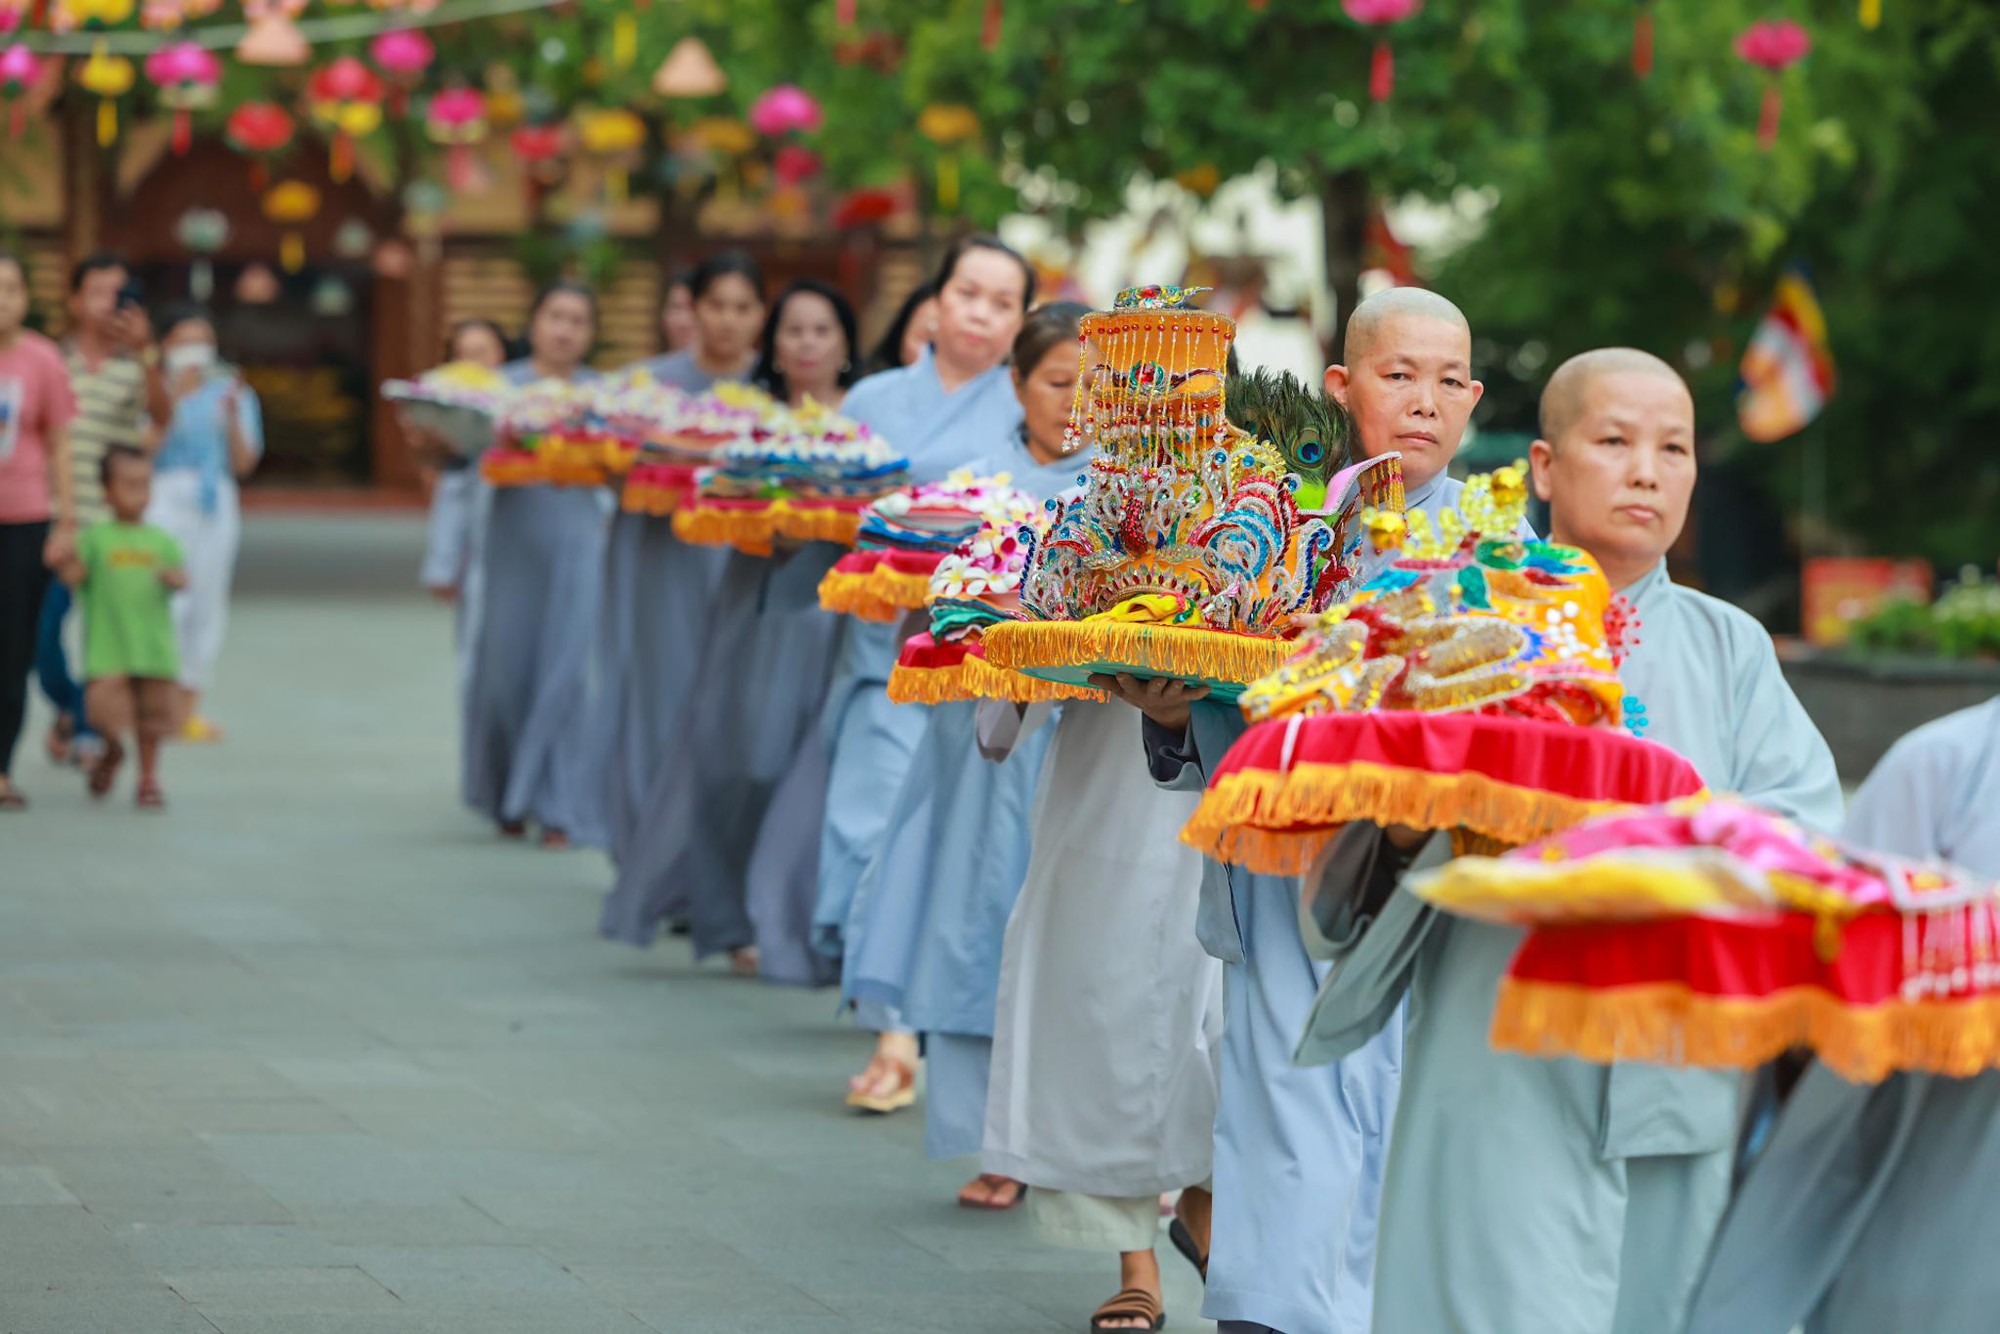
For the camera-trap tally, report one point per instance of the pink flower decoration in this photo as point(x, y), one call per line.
point(457, 109)
point(402, 53)
point(1774, 44)
point(785, 109)
point(183, 65)
point(1380, 11)
point(18, 68)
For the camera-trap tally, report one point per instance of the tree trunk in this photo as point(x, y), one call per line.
point(1343, 201)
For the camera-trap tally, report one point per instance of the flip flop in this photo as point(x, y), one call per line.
point(1131, 1304)
point(904, 1094)
point(993, 1182)
point(1183, 1240)
point(11, 800)
point(149, 797)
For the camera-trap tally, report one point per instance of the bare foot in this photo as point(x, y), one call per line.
point(555, 840)
point(991, 1191)
point(743, 962)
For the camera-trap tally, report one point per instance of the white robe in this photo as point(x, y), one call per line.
point(1104, 1047)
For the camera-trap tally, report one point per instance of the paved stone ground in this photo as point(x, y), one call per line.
point(312, 1053)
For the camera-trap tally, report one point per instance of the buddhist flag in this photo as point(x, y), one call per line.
point(1788, 367)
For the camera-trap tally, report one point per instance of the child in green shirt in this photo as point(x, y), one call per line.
point(125, 572)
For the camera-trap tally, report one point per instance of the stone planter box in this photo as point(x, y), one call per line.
point(1864, 705)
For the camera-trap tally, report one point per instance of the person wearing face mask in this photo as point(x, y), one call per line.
point(727, 296)
point(953, 405)
point(531, 616)
point(215, 439)
point(659, 592)
point(1299, 1154)
point(730, 846)
point(923, 936)
point(1607, 1182)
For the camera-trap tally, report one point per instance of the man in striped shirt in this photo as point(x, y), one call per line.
point(121, 399)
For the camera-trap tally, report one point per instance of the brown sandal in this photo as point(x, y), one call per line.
point(1131, 1304)
point(902, 1094)
point(105, 771)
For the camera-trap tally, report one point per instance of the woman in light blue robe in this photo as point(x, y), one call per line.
point(1874, 1208)
point(1299, 1153)
point(739, 787)
point(532, 619)
point(659, 592)
point(954, 405)
point(925, 930)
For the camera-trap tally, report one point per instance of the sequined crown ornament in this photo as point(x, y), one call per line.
point(1470, 685)
point(1186, 553)
point(1465, 616)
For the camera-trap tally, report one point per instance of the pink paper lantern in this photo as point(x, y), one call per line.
point(19, 68)
point(402, 53)
point(456, 119)
point(186, 75)
point(1774, 46)
point(1378, 14)
point(785, 109)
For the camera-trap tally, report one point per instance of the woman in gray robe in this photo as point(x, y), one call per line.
point(1869, 1209)
point(720, 815)
point(659, 591)
point(532, 621)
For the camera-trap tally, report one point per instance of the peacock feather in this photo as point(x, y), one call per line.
point(1307, 427)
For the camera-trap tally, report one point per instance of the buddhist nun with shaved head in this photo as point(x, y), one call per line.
point(1299, 1153)
point(1555, 1196)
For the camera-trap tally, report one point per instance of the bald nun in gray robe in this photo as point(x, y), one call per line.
point(1554, 1196)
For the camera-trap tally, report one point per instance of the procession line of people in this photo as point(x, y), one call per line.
point(1294, 1069)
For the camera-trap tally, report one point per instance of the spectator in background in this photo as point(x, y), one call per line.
point(728, 308)
point(124, 571)
point(37, 510)
point(677, 324)
point(455, 479)
point(909, 333)
point(121, 399)
point(215, 438)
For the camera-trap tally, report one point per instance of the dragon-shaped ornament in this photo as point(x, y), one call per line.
point(1204, 508)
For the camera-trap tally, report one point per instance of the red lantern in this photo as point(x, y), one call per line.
point(260, 131)
point(1380, 14)
point(1775, 47)
point(346, 98)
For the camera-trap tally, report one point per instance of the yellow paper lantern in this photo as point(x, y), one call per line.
point(110, 77)
point(617, 136)
point(291, 204)
point(948, 125)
